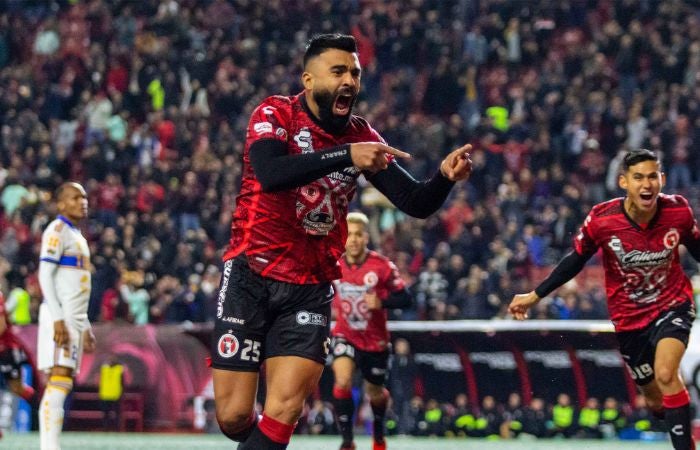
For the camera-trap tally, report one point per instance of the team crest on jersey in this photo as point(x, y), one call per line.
point(371, 279)
point(228, 345)
point(671, 239)
point(304, 141)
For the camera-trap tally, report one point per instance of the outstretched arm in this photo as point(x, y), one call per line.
point(422, 198)
point(567, 268)
point(277, 170)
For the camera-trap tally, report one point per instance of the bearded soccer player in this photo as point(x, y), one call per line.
point(12, 356)
point(360, 339)
point(64, 329)
point(301, 162)
point(650, 299)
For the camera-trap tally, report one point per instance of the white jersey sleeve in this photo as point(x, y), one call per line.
point(49, 259)
point(64, 273)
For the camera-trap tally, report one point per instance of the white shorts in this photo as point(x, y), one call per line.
point(49, 355)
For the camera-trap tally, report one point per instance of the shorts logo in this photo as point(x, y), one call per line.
point(222, 291)
point(228, 345)
point(309, 318)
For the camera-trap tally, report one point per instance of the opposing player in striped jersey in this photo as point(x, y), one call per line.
point(64, 329)
point(650, 299)
point(369, 286)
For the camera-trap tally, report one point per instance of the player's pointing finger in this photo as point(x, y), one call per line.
point(396, 152)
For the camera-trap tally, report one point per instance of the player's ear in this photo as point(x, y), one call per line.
point(663, 179)
point(622, 181)
point(307, 80)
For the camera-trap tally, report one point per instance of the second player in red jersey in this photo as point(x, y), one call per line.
point(650, 299)
point(369, 286)
point(643, 274)
point(366, 274)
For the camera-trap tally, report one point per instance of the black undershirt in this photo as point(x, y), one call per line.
point(565, 270)
point(398, 299)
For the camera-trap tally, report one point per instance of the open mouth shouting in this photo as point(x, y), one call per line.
point(647, 199)
point(343, 103)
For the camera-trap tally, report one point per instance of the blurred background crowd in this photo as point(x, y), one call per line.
point(492, 420)
point(146, 104)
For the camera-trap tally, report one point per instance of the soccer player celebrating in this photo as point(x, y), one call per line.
point(64, 329)
point(301, 162)
point(650, 299)
point(370, 284)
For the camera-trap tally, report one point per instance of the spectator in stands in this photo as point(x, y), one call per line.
point(135, 296)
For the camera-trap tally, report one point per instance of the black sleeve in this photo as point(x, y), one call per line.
point(415, 198)
point(398, 299)
point(693, 246)
point(567, 268)
point(277, 170)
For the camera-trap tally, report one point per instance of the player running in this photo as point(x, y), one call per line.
point(650, 299)
point(360, 339)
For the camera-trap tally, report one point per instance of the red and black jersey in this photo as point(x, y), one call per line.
point(643, 275)
point(364, 329)
point(295, 235)
point(7, 338)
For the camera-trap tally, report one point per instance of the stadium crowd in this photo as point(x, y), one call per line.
point(146, 103)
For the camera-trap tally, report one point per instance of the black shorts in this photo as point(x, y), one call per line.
point(258, 318)
point(638, 347)
point(373, 365)
point(11, 360)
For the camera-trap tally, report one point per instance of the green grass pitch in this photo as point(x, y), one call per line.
point(150, 441)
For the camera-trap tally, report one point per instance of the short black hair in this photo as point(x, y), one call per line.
point(634, 157)
point(322, 42)
point(65, 186)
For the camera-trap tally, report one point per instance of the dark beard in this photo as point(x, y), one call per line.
point(329, 121)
